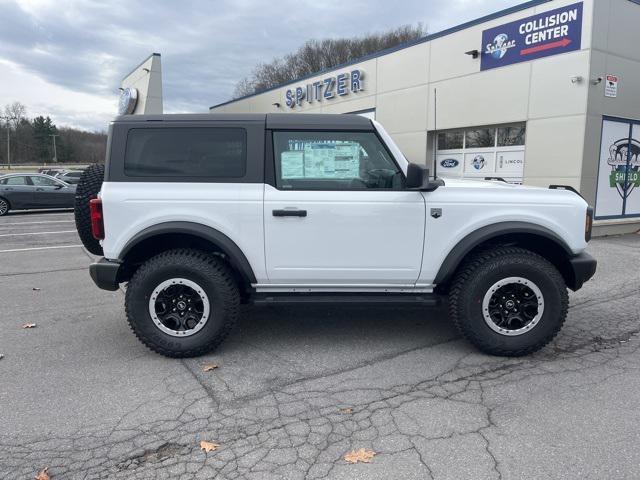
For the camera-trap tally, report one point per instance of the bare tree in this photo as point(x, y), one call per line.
point(317, 55)
point(17, 112)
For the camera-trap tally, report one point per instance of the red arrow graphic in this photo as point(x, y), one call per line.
point(547, 46)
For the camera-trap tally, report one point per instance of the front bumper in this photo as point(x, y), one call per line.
point(583, 266)
point(105, 273)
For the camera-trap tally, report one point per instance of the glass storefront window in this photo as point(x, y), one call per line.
point(480, 138)
point(450, 140)
point(511, 135)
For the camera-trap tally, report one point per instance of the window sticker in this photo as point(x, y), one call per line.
point(322, 160)
point(292, 163)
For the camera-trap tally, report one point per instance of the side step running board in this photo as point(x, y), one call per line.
point(428, 299)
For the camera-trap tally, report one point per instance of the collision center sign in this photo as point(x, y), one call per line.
point(549, 33)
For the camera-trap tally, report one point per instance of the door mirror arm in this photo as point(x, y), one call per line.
point(418, 179)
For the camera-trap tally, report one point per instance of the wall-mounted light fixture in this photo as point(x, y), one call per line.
point(474, 53)
point(276, 104)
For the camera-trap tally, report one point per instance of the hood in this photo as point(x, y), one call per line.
point(466, 183)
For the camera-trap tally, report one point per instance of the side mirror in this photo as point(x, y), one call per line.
point(416, 175)
point(418, 179)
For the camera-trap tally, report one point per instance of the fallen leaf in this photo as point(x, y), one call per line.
point(29, 325)
point(43, 475)
point(1, 356)
point(36, 289)
point(361, 455)
point(346, 411)
point(208, 446)
point(207, 367)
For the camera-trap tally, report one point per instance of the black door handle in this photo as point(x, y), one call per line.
point(39, 189)
point(289, 213)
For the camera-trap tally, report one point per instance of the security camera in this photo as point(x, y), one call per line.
point(576, 79)
point(596, 81)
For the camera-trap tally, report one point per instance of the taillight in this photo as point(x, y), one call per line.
point(97, 222)
point(588, 224)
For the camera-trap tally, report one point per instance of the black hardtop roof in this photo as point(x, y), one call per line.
point(271, 120)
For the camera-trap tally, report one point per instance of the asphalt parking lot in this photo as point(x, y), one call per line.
point(298, 388)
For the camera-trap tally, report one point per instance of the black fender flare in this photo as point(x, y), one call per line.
point(228, 247)
point(484, 234)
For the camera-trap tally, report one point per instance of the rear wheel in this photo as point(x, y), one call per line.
point(508, 301)
point(4, 207)
point(182, 303)
point(88, 187)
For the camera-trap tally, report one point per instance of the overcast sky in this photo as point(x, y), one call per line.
point(65, 58)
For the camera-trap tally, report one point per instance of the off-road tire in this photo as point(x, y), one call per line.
point(3, 212)
point(208, 271)
point(88, 187)
point(482, 270)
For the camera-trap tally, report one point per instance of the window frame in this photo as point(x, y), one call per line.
point(27, 181)
point(56, 181)
point(254, 151)
point(512, 125)
point(172, 130)
point(271, 171)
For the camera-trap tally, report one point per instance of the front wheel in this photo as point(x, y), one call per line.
point(182, 303)
point(508, 301)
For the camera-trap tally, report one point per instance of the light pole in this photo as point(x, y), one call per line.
point(55, 153)
point(7, 118)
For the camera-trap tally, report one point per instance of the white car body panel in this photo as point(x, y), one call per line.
point(469, 205)
point(348, 237)
point(234, 209)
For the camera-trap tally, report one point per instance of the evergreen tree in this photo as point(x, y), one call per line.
point(43, 128)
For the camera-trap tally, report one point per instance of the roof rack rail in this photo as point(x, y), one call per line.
point(498, 179)
point(565, 187)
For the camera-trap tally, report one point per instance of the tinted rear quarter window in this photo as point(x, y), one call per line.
point(212, 152)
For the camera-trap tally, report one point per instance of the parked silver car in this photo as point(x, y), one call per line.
point(72, 176)
point(20, 191)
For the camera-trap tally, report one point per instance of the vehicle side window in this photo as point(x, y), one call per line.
point(186, 152)
point(44, 182)
point(309, 160)
point(16, 181)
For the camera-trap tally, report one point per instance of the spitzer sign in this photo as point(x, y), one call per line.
point(549, 33)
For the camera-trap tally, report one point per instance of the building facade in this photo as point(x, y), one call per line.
point(544, 93)
point(141, 89)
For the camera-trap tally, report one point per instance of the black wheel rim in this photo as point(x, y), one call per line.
point(179, 307)
point(513, 306)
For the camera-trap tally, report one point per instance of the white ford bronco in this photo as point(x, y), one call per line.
point(200, 213)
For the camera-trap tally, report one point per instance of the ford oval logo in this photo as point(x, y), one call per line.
point(449, 163)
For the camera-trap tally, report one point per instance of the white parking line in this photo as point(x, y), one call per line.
point(35, 233)
point(36, 223)
point(38, 248)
